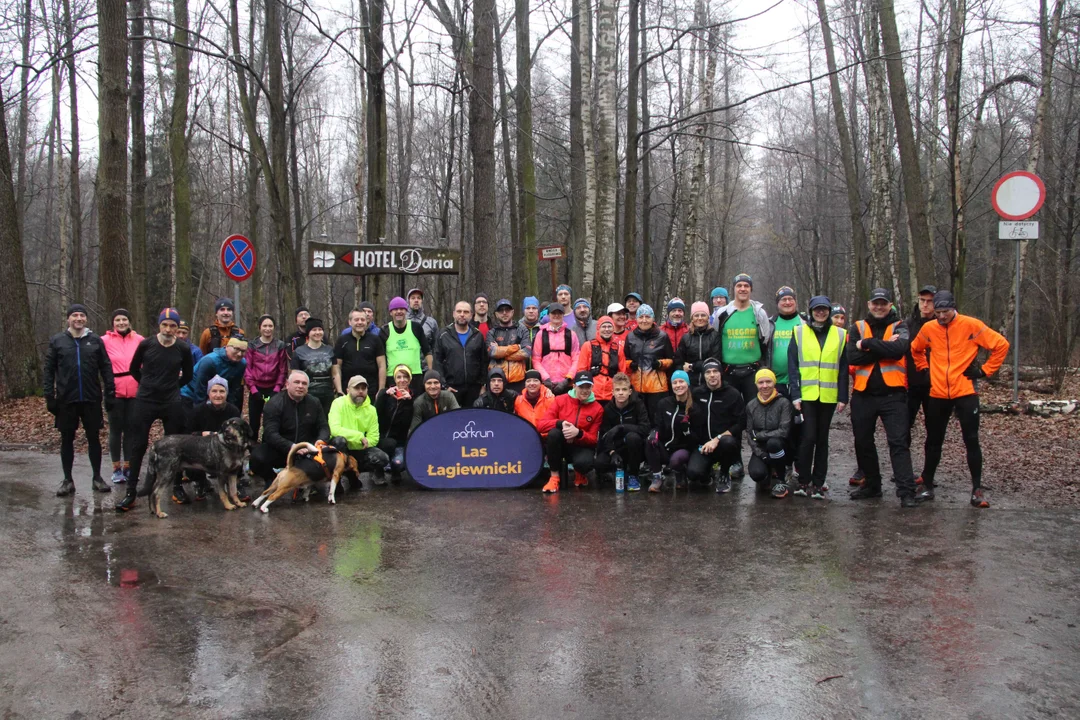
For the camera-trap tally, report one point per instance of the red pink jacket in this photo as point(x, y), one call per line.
point(585, 416)
point(267, 365)
point(121, 349)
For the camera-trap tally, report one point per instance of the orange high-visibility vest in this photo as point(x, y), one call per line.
point(893, 372)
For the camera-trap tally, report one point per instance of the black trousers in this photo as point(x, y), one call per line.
point(370, 458)
point(120, 440)
point(916, 398)
point(264, 458)
point(466, 395)
point(795, 437)
point(937, 422)
point(560, 452)
point(814, 445)
point(68, 418)
point(629, 453)
point(172, 417)
point(742, 379)
point(771, 467)
point(892, 409)
point(700, 464)
point(652, 400)
point(256, 402)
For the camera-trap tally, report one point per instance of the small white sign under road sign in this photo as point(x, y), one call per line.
point(1018, 230)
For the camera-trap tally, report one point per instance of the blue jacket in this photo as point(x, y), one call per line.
point(216, 363)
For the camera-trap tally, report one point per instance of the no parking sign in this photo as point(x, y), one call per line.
point(238, 257)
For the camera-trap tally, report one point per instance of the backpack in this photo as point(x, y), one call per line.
point(545, 342)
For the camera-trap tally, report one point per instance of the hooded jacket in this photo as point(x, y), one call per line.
point(695, 348)
point(649, 357)
point(460, 366)
point(558, 364)
point(534, 413)
point(674, 425)
point(512, 352)
point(600, 358)
point(723, 411)
point(767, 421)
point(354, 422)
point(504, 401)
point(267, 365)
point(121, 348)
point(617, 422)
point(675, 333)
point(916, 378)
point(216, 363)
point(528, 335)
point(220, 333)
point(77, 369)
point(424, 406)
point(763, 324)
point(428, 323)
point(953, 348)
point(395, 415)
point(286, 421)
point(876, 348)
point(585, 416)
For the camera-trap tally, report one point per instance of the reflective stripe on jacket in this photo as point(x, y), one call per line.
point(893, 371)
point(819, 368)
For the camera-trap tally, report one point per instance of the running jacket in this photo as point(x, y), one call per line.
point(286, 422)
point(674, 425)
point(603, 360)
point(121, 348)
point(675, 333)
point(617, 422)
point(513, 351)
point(651, 354)
point(953, 348)
point(461, 366)
point(534, 413)
point(767, 421)
point(267, 365)
point(395, 415)
point(425, 407)
point(559, 363)
point(695, 348)
point(584, 416)
point(722, 409)
point(76, 368)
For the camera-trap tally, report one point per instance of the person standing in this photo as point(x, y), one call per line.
point(875, 349)
point(354, 418)
point(507, 348)
point(623, 431)
point(953, 343)
point(603, 358)
point(619, 316)
point(784, 325)
point(267, 367)
point(405, 343)
point(675, 327)
point(673, 440)
point(919, 380)
point(360, 352)
point(632, 302)
point(316, 359)
point(161, 365)
point(222, 328)
point(461, 357)
point(818, 383)
point(583, 325)
point(394, 406)
point(768, 427)
point(839, 316)
point(183, 333)
point(530, 324)
point(481, 320)
point(649, 357)
point(299, 337)
point(78, 376)
point(572, 424)
point(719, 298)
point(417, 314)
point(717, 430)
point(698, 345)
point(120, 343)
point(292, 416)
point(555, 351)
point(563, 294)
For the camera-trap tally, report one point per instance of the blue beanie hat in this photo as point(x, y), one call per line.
point(645, 310)
point(680, 375)
point(563, 287)
point(718, 292)
point(529, 302)
point(217, 380)
point(169, 314)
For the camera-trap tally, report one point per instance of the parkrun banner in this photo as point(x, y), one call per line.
point(327, 259)
point(474, 448)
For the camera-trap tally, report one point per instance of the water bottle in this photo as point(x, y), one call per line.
point(620, 480)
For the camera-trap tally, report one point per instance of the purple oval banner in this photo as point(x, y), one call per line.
point(474, 448)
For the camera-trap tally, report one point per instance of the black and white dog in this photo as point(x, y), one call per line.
point(220, 455)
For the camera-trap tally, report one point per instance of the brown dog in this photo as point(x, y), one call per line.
point(333, 461)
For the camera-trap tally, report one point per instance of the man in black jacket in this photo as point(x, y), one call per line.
point(623, 431)
point(461, 356)
point(292, 416)
point(496, 395)
point(718, 429)
point(77, 370)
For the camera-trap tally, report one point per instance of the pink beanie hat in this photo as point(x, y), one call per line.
point(699, 307)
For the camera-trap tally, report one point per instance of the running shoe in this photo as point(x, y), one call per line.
point(580, 479)
point(100, 485)
point(118, 476)
point(723, 484)
point(632, 484)
point(67, 487)
point(978, 499)
point(924, 492)
point(779, 490)
point(127, 502)
point(909, 501)
point(179, 496)
point(865, 492)
point(736, 472)
point(818, 493)
point(802, 491)
point(680, 481)
point(657, 482)
point(552, 485)
point(857, 479)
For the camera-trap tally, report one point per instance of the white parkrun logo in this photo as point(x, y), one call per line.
point(470, 431)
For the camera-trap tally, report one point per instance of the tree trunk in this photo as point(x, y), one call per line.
point(578, 128)
point(113, 266)
point(20, 369)
point(630, 184)
point(953, 70)
point(607, 178)
point(376, 122)
point(515, 198)
point(74, 185)
point(646, 166)
point(482, 146)
point(847, 155)
point(24, 105)
point(526, 163)
point(586, 255)
point(905, 137)
point(178, 152)
point(138, 169)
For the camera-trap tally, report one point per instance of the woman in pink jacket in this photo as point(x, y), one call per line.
point(267, 366)
point(120, 344)
point(555, 351)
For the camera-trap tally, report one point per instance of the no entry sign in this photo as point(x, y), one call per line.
point(1018, 195)
point(238, 257)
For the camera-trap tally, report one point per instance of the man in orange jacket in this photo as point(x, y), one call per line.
point(603, 358)
point(954, 342)
point(572, 424)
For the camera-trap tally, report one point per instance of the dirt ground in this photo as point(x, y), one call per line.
point(1028, 458)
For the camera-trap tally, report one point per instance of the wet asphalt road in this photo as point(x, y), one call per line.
point(507, 604)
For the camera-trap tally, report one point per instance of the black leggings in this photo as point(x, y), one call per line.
point(726, 454)
point(938, 412)
point(560, 452)
point(772, 466)
point(256, 401)
point(171, 415)
point(814, 446)
point(120, 440)
point(630, 451)
point(68, 419)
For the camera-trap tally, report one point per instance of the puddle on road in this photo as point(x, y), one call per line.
point(360, 556)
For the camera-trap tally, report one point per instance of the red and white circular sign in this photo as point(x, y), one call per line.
point(1018, 195)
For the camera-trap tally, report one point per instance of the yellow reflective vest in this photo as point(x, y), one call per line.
point(819, 367)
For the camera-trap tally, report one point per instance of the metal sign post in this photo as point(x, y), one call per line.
point(1016, 197)
point(238, 262)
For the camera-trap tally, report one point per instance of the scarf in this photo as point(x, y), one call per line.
point(769, 399)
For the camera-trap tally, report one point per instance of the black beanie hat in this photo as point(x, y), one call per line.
point(76, 307)
point(313, 323)
point(119, 311)
point(432, 375)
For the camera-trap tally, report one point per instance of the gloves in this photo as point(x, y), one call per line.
point(633, 366)
point(974, 370)
point(562, 388)
point(50, 404)
point(110, 403)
